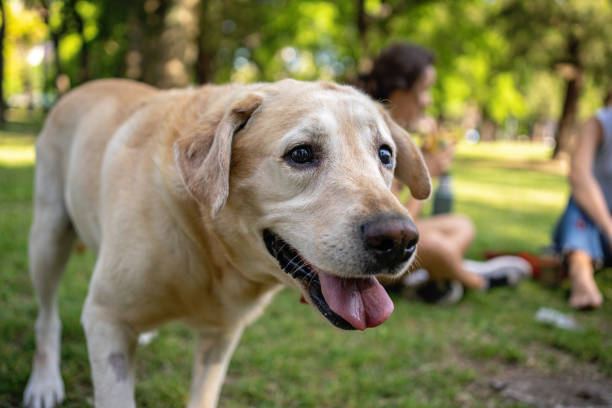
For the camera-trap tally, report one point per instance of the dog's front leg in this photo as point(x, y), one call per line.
point(214, 349)
point(111, 350)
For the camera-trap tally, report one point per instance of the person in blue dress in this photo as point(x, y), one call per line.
point(584, 233)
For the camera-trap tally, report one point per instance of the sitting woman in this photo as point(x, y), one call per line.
point(401, 78)
point(584, 233)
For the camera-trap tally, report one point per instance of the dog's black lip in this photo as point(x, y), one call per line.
point(292, 263)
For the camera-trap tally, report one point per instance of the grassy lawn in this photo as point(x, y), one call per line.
point(423, 356)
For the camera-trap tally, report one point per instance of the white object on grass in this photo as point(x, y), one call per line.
point(147, 337)
point(556, 318)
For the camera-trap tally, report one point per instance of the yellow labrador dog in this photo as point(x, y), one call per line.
point(200, 205)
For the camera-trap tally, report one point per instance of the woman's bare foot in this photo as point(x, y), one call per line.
point(585, 294)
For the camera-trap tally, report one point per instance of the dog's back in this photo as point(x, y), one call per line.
point(76, 134)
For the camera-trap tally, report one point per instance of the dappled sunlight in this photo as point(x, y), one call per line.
point(559, 167)
point(505, 151)
point(512, 191)
point(509, 175)
point(16, 151)
point(503, 196)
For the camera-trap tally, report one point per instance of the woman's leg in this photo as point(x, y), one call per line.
point(584, 292)
point(459, 229)
point(442, 257)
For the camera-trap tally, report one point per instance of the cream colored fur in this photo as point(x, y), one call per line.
point(171, 190)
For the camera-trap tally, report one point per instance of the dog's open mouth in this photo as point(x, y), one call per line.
point(348, 303)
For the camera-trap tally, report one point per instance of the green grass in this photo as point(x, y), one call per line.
point(423, 356)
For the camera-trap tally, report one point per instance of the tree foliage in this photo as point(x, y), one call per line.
point(505, 59)
point(570, 37)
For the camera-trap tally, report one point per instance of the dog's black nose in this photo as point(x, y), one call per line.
point(391, 240)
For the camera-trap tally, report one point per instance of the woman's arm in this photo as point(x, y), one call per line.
point(585, 189)
point(437, 163)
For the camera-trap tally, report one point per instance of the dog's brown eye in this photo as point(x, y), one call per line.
point(384, 153)
point(301, 155)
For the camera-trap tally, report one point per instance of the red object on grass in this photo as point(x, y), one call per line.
point(543, 266)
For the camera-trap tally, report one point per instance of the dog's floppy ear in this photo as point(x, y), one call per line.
point(204, 159)
point(410, 167)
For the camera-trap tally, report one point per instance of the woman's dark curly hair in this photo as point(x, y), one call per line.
point(397, 67)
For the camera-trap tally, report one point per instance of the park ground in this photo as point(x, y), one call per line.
point(486, 351)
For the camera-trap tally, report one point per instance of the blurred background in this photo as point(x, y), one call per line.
point(516, 78)
point(508, 68)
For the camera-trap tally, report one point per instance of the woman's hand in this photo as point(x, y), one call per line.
point(439, 161)
point(437, 152)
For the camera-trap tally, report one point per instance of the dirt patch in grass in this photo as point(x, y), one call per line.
point(565, 383)
point(553, 391)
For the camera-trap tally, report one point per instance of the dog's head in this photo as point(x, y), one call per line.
point(297, 176)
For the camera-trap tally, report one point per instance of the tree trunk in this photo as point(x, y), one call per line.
point(84, 54)
point(2, 32)
point(574, 84)
point(488, 130)
point(170, 51)
point(567, 122)
point(55, 39)
point(362, 23)
point(204, 63)
point(50, 74)
point(204, 70)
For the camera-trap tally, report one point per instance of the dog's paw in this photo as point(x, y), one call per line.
point(45, 389)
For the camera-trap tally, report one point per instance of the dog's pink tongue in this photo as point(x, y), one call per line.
point(361, 302)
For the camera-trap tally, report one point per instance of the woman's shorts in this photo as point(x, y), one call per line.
point(576, 230)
